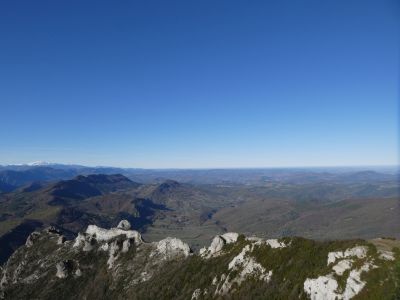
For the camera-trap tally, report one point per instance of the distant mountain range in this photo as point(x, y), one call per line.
point(14, 176)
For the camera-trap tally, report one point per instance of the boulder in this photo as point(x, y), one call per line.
point(124, 224)
point(218, 243)
point(172, 247)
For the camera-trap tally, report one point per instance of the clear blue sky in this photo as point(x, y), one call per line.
point(199, 83)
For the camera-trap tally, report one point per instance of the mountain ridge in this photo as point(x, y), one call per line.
point(116, 263)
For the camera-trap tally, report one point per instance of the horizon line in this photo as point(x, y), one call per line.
point(49, 164)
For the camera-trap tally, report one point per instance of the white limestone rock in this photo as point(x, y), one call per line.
point(218, 243)
point(104, 247)
point(386, 255)
point(275, 244)
point(124, 225)
point(225, 286)
point(79, 240)
point(196, 294)
point(88, 244)
point(326, 287)
point(62, 269)
point(3, 281)
point(358, 251)
point(104, 235)
point(78, 272)
point(61, 240)
point(354, 284)
point(108, 240)
point(125, 246)
point(239, 259)
point(342, 266)
point(230, 237)
point(170, 248)
point(247, 266)
point(95, 234)
point(113, 254)
point(114, 240)
point(321, 288)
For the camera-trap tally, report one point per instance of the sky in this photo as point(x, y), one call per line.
point(200, 84)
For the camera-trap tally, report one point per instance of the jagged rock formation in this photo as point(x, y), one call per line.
point(218, 243)
point(124, 224)
point(116, 263)
point(247, 267)
point(327, 287)
point(171, 247)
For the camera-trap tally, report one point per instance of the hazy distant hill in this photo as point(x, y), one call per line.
point(15, 176)
point(62, 204)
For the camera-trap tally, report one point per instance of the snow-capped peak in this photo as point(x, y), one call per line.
point(39, 163)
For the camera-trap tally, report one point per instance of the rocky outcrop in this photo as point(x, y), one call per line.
point(327, 287)
point(64, 268)
point(124, 225)
point(359, 252)
point(116, 263)
point(105, 235)
point(113, 241)
point(61, 240)
point(218, 243)
point(31, 239)
point(242, 267)
point(171, 247)
point(247, 267)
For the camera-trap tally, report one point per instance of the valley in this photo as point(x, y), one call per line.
point(266, 203)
